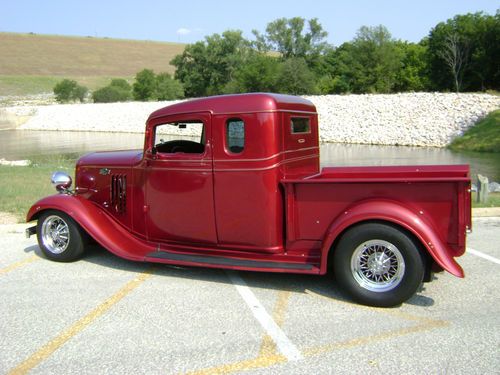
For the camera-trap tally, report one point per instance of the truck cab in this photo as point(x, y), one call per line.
point(235, 182)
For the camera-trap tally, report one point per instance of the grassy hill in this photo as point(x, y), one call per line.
point(31, 63)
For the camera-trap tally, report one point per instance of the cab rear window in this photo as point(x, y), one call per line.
point(235, 135)
point(300, 125)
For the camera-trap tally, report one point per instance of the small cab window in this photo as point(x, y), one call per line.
point(186, 136)
point(235, 135)
point(300, 125)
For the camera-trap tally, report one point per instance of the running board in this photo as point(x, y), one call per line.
point(225, 262)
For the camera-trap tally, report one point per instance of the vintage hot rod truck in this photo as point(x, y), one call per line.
point(248, 194)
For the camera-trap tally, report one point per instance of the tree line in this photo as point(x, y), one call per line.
point(292, 56)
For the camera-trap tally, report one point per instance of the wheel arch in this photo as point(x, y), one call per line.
point(96, 223)
point(399, 216)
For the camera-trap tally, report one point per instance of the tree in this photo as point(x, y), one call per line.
point(257, 74)
point(470, 38)
point(68, 90)
point(287, 37)
point(168, 88)
point(413, 74)
point(368, 64)
point(144, 85)
point(455, 54)
point(296, 78)
point(206, 67)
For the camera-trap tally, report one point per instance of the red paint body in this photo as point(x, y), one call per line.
point(266, 208)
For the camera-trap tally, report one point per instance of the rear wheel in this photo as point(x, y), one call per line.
point(60, 238)
point(378, 265)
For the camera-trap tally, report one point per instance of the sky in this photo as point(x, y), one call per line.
point(191, 20)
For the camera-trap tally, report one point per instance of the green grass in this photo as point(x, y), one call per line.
point(483, 137)
point(493, 200)
point(20, 187)
point(32, 85)
point(26, 85)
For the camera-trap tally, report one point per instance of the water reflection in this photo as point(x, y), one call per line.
point(23, 144)
point(342, 155)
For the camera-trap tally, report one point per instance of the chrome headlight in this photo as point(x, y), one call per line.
point(61, 181)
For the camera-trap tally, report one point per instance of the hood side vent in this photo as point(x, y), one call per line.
point(119, 193)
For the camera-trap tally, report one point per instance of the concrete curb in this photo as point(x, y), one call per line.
point(486, 212)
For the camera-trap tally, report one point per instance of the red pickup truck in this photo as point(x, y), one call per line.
point(239, 186)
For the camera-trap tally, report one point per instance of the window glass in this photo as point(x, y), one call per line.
point(235, 135)
point(300, 125)
point(186, 136)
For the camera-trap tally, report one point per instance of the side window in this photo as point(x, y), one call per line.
point(187, 137)
point(300, 125)
point(235, 135)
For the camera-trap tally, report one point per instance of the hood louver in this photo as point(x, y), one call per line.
point(119, 193)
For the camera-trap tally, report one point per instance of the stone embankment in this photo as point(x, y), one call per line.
point(413, 119)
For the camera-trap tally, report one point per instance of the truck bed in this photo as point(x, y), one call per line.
point(438, 194)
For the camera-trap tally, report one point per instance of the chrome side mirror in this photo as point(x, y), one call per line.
point(61, 181)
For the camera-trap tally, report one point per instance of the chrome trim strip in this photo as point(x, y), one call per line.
point(269, 167)
point(268, 157)
point(275, 165)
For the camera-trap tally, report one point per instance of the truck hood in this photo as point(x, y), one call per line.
point(111, 158)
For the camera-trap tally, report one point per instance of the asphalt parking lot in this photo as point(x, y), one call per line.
point(107, 315)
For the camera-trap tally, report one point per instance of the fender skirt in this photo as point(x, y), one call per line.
point(97, 223)
point(393, 212)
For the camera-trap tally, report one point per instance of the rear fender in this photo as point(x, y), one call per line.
point(392, 212)
point(97, 223)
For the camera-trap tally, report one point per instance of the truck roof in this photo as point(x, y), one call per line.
point(238, 103)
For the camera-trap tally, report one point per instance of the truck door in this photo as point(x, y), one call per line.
point(179, 180)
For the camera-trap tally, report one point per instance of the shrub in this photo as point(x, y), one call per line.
point(121, 83)
point(119, 90)
point(68, 90)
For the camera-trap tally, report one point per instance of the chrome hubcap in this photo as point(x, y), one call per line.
point(55, 234)
point(377, 265)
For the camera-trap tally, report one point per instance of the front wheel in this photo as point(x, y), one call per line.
point(60, 238)
point(378, 265)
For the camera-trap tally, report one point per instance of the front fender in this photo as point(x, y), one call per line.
point(393, 212)
point(97, 223)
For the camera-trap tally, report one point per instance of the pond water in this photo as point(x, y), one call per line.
point(25, 144)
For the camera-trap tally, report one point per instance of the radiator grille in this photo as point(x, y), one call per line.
point(119, 193)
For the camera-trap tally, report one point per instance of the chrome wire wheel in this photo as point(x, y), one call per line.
point(55, 234)
point(377, 265)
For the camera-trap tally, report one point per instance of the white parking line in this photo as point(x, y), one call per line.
point(285, 346)
point(483, 255)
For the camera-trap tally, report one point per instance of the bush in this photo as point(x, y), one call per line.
point(168, 88)
point(121, 83)
point(119, 90)
point(68, 90)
